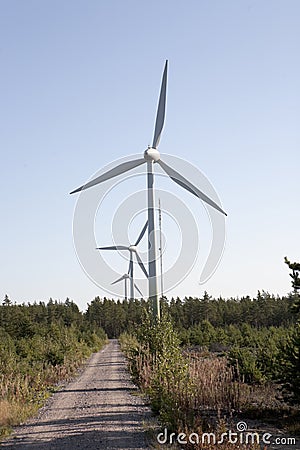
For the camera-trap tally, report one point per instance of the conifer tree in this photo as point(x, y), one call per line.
point(292, 367)
point(295, 275)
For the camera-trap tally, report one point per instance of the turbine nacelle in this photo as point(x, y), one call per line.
point(152, 154)
point(132, 248)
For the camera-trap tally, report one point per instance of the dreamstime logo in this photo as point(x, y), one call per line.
point(117, 203)
point(241, 436)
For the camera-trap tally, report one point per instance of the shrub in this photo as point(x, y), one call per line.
point(244, 361)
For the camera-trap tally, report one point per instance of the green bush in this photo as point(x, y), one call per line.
point(157, 364)
point(244, 361)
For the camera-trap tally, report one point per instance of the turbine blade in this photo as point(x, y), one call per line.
point(118, 170)
point(142, 233)
point(113, 247)
point(140, 262)
point(183, 182)
point(130, 269)
point(160, 116)
point(118, 280)
point(138, 290)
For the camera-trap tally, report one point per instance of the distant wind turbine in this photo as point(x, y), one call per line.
point(125, 277)
point(132, 251)
point(151, 156)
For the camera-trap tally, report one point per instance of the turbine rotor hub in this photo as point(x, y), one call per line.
point(132, 248)
point(151, 154)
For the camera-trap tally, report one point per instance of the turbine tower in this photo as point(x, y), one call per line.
point(160, 251)
point(132, 251)
point(152, 156)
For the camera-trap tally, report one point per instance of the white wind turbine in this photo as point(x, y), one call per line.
point(152, 156)
point(132, 251)
point(125, 277)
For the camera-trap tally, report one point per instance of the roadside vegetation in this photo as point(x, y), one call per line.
point(207, 364)
point(237, 360)
point(40, 346)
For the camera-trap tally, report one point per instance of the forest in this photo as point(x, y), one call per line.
point(207, 359)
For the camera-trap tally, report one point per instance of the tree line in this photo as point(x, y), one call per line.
point(265, 310)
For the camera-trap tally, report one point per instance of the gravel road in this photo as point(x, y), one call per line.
point(95, 411)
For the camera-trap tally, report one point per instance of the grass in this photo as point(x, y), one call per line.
point(12, 413)
point(22, 395)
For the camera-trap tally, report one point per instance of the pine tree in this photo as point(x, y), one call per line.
point(6, 301)
point(292, 352)
point(295, 275)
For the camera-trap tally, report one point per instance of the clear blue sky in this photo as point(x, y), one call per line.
point(79, 88)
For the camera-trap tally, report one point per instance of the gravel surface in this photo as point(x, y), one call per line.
point(95, 411)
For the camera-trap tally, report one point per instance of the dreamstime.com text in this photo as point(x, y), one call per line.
point(240, 436)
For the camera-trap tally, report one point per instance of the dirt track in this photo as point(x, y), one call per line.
point(95, 411)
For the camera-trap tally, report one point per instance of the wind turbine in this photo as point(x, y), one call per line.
point(132, 251)
point(152, 156)
point(125, 277)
